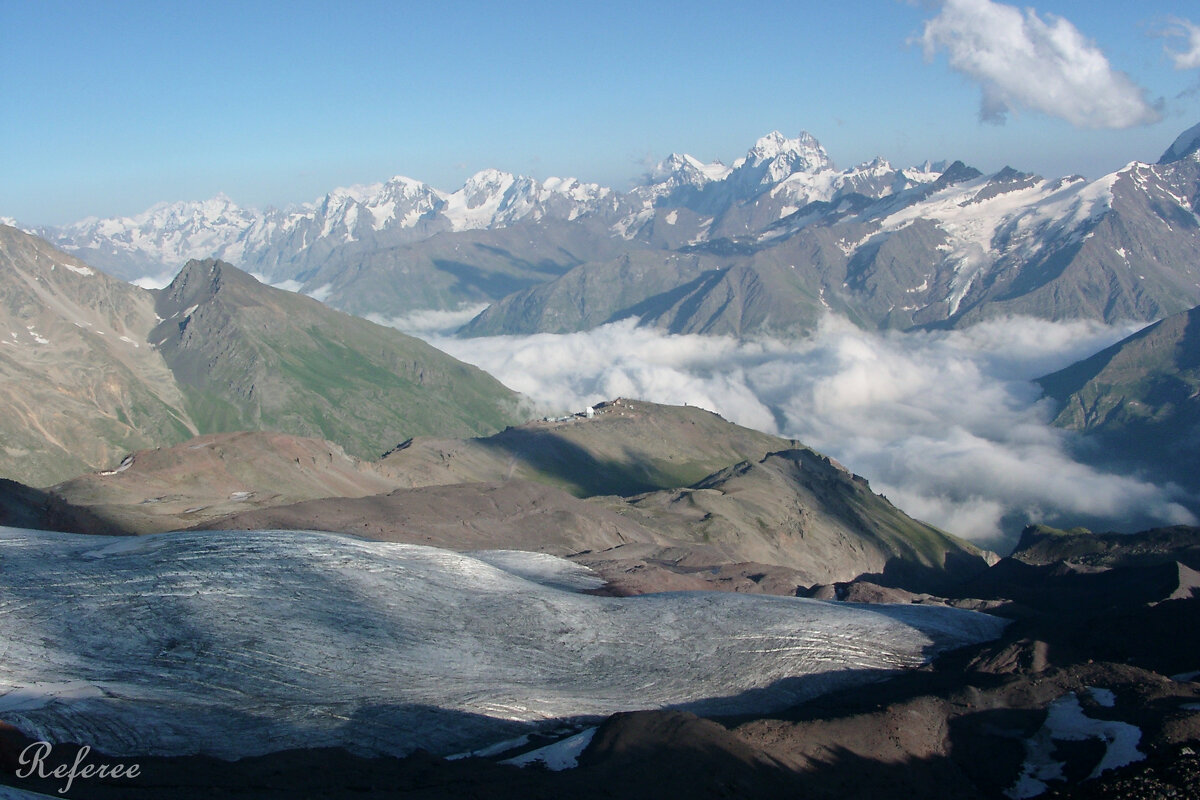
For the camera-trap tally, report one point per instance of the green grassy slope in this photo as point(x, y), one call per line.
point(253, 357)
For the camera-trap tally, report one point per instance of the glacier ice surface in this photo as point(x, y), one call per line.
point(236, 643)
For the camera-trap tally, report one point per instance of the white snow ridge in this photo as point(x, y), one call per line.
point(237, 643)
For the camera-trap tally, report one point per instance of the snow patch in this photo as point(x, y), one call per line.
point(493, 749)
point(1066, 721)
point(558, 756)
point(126, 463)
point(542, 569)
point(1182, 144)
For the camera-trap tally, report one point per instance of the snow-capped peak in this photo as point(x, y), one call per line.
point(405, 183)
point(359, 193)
point(687, 169)
point(804, 153)
point(484, 185)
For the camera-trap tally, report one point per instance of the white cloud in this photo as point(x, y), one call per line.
point(154, 281)
point(946, 424)
point(1189, 57)
point(431, 321)
point(1021, 60)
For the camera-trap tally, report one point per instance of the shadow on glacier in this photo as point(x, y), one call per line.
point(791, 691)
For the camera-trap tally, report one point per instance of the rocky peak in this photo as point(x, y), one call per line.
point(958, 172)
point(802, 154)
point(199, 282)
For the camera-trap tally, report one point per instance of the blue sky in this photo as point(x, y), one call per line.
point(111, 107)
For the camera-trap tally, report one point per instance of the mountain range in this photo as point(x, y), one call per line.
point(760, 246)
point(952, 250)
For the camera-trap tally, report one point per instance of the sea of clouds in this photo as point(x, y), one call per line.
point(948, 425)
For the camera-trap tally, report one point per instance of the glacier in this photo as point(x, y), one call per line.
point(234, 643)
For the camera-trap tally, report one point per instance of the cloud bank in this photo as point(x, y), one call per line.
point(1022, 61)
point(946, 424)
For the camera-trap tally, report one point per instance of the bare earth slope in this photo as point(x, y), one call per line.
point(508, 515)
point(218, 474)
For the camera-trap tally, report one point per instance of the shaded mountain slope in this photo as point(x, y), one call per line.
point(628, 446)
point(1041, 545)
point(22, 506)
point(1137, 403)
point(251, 357)
point(644, 284)
point(799, 509)
point(451, 269)
point(92, 368)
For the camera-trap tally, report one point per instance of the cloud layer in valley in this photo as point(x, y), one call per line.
point(1023, 61)
point(947, 424)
